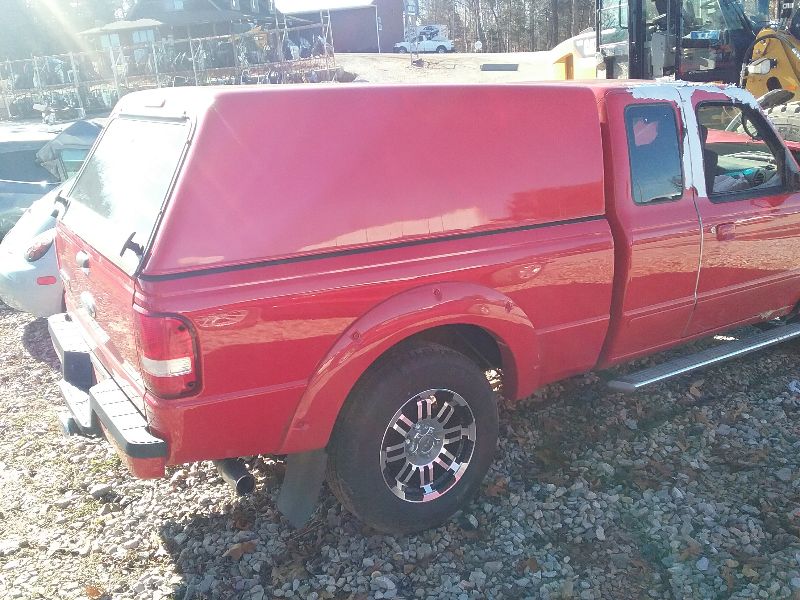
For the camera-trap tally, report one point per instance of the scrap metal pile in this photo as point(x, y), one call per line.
point(70, 86)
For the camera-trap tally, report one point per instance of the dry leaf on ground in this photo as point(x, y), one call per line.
point(237, 550)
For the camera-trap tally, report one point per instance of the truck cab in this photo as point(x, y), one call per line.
point(690, 215)
point(425, 43)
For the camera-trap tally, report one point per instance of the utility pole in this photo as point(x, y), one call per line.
point(410, 24)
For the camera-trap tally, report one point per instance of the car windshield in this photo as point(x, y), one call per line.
point(712, 18)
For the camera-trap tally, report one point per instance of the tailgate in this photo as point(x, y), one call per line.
point(113, 209)
point(99, 296)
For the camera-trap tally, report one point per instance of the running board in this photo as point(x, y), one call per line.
point(685, 364)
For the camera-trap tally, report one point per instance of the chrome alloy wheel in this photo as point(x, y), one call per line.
point(428, 445)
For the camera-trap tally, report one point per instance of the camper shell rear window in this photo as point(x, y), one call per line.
point(120, 192)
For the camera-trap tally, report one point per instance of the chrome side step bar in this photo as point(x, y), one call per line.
point(685, 364)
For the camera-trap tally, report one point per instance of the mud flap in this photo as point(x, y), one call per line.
point(299, 493)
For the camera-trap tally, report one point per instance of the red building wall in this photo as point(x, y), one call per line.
point(354, 29)
point(391, 15)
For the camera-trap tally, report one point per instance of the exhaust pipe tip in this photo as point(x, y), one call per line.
point(236, 475)
point(69, 426)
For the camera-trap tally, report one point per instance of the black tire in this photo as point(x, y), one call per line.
point(355, 470)
point(786, 120)
point(402, 50)
point(441, 50)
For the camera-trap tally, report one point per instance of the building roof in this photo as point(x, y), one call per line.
point(117, 26)
point(289, 7)
point(194, 12)
point(201, 16)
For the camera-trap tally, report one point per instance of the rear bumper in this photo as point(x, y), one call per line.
point(96, 402)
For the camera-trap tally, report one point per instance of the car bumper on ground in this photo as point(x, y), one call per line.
point(97, 403)
point(27, 287)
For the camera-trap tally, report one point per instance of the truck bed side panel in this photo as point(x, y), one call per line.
point(263, 331)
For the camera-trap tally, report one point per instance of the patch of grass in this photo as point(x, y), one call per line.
point(102, 464)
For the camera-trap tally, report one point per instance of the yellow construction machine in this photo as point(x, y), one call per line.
point(692, 40)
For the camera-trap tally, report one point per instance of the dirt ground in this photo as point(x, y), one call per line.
point(442, 68)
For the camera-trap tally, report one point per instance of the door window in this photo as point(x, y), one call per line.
point(740, 154)
point(614, 22)
point(143, 37)
point(72, 159)
point(653, 146)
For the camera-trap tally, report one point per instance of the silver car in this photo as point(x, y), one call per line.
point(22, 178)
point(34, 162)
point(29, 278)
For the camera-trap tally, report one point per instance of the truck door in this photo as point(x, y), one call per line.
point(637, 38)
point(654, 221)
point(715, 35)
point(750, 213)
point(695, 40)
point(616, 39)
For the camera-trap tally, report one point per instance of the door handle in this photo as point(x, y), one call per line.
point(724, 231)
point(82, 260)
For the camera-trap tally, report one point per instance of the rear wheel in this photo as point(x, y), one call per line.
point(786, 120)
point(414, 439)
point(441, 50)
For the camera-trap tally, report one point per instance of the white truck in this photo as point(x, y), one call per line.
point(427, 38)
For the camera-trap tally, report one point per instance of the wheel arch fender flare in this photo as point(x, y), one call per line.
point(396, 319)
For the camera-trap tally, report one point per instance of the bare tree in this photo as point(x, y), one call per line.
point(509, 25)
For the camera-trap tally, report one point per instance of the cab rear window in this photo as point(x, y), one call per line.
point(656, 173)
point(121, 190)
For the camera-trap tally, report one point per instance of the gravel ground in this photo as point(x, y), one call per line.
point(688, 491)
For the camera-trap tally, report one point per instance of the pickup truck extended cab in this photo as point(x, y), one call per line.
point(269, 292)
point(425, 44)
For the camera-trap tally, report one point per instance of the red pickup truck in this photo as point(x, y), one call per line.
point(296, 271)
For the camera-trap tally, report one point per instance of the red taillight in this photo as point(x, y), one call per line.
point(40, 245)
point(167, 354)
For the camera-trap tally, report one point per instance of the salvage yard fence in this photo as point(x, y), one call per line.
point(77, 84)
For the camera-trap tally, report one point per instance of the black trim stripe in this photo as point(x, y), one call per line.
point(363, 250)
